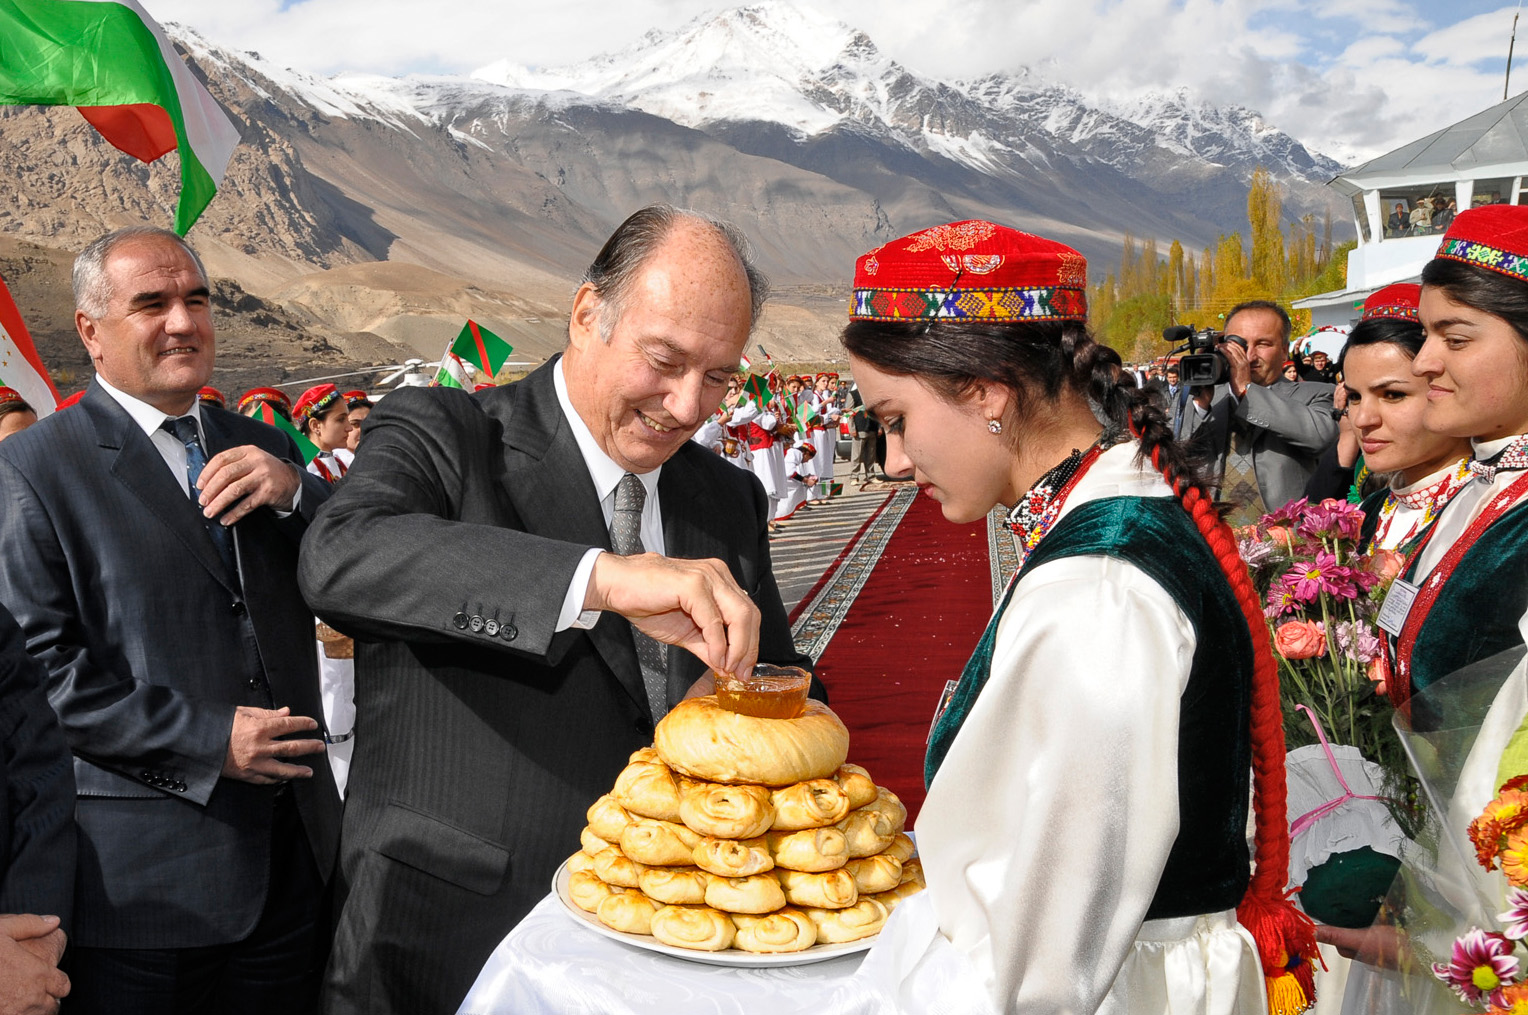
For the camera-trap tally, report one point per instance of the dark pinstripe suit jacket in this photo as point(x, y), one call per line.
point(37, 846)
point(482, 735)
point(149, 644)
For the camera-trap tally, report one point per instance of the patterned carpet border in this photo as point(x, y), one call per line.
point(1001, 551)
point(827, 605)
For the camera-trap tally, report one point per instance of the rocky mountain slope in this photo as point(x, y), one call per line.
point(367, 216)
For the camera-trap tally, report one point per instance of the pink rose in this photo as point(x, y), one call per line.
point(1385, 563)
point(1300, 639)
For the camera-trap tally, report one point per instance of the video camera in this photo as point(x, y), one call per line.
point(1204, 363)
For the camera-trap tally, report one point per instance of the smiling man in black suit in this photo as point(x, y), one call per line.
point(515, 642)
point(150, 547)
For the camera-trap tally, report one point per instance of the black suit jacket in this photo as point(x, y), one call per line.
point(37, 845)
point(149, 644)
point(483, 735)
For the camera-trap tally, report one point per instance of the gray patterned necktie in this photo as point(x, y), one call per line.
point(626, 539)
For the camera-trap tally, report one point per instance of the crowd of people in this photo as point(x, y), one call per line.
point(289, 729)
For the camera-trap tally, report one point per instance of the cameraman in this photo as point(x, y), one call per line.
point(1264, 433)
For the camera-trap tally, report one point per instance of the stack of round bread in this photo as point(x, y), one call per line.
point(741, 832)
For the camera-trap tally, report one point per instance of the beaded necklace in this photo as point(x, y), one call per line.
point(1036, 512)
point(1430, 500)
point(1513, 456)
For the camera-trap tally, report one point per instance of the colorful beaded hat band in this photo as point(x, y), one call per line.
point(357, 400)
point(1494, 236)
point(316, 401)
point(270, 396)
point(972, 270)
point(211, 396)
point(1398, 302)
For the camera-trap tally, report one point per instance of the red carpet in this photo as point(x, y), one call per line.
point(910, 629)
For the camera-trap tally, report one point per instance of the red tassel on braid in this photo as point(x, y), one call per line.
point(1286, 937)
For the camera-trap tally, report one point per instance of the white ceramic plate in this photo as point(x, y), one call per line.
point(730, 957)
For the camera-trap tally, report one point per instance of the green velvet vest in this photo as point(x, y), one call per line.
point(1477, 613)
point(1208, 868)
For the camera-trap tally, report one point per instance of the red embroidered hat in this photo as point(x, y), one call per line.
point(970, 270)
point(9, 396)
point(274, 397)
point(212, 396)
point(1494, 236)
point(316, 401)
point(357, 400)
point(1398, 301)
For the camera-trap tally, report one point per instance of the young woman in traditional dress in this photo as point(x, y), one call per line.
point(1084, 832)
point(1465, 589)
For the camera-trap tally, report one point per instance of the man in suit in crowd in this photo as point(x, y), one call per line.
point(37, 845)
point(508, 662)
point(1264, 431)
point(150, 547)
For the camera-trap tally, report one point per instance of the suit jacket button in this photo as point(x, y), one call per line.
point(477, 623)
point(254, 683)
point(237, 608)
point(509, 632)
point(491, 628)
point(180, 787)
point(460, 620)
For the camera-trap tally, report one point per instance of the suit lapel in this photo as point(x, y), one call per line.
point(688, 504)
point(550, 487)
point(139, 467)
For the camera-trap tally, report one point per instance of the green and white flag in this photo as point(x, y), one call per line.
point(475, 345)
point(112, 60)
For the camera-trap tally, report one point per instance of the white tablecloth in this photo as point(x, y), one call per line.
point(552, 963)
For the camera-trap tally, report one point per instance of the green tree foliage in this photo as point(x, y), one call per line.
point(1286, 260)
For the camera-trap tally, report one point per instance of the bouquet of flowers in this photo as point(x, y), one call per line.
point(1484, 968)
point(1321, 598)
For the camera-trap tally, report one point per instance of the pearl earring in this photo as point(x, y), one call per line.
point(995, 425)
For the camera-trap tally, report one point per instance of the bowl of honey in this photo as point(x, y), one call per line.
point(770, 692)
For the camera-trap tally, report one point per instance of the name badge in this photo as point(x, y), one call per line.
point(1397, 605)
point(944, 703)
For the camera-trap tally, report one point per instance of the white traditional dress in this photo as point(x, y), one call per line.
point(797, 491)
point(1052, 817)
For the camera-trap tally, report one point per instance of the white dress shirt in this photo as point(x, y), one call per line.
point(606, 475)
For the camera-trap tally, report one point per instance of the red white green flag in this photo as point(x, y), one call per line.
point(477, 346)
point(20, 366)
point(266, 414)
point(112, 60)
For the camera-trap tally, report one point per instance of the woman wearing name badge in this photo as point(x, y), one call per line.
point(1465, 588)
point(1083, 837)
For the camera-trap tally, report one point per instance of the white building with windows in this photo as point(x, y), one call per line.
point(1404, 200)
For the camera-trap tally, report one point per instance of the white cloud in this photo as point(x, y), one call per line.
point(1350, 77)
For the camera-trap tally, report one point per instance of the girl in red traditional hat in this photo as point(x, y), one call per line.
point(16, 413)
point(1083, 837)
point(324, 416)
point(1466, 583)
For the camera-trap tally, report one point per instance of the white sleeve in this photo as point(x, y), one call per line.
point(1048, 825)
point(744, 414)
point(573, 613)
point(767, 420)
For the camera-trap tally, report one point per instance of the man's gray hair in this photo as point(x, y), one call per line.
point(92, 290)
point(633, 244)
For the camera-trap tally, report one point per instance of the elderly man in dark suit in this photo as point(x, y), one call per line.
point(508, 661)
point(1265, 432)
point(37, 844)
point(150, 547)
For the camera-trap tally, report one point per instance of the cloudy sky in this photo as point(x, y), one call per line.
point(1353, 78)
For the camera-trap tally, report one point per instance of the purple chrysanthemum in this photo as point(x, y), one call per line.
point(1357, 641)
point(1482, 966)
point(1287, 516)
point(1332, 518)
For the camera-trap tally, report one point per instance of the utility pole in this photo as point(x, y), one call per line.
point(1511, 42)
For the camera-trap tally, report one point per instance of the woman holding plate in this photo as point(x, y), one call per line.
point(1084, 832)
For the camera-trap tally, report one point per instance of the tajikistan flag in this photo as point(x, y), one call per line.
point(109, 58)
point(475, 345)
point(20, 366)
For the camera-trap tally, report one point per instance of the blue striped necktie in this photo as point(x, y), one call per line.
point(184, 430)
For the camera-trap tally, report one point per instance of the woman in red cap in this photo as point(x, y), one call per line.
point(1382, 431)
point(16, 413)
point(323, 415)
point(1084, 832)
point(1465, 587)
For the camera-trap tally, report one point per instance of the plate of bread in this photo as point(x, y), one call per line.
point(742, 840)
